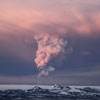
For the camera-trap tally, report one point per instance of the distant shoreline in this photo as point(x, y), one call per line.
point(42, 84)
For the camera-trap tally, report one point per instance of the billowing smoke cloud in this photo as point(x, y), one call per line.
point(48, 47)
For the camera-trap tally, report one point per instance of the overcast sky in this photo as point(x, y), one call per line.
point(50, 41)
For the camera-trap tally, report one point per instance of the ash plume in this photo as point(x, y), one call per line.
point(45, 71)
point(48, 47)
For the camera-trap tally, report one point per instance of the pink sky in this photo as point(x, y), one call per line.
point(51, 17)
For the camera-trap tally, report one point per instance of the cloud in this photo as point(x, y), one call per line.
point(43, 18)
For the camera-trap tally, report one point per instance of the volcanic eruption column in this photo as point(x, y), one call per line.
point(48, 47)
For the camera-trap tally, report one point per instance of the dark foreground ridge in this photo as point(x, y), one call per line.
point(57, 92)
